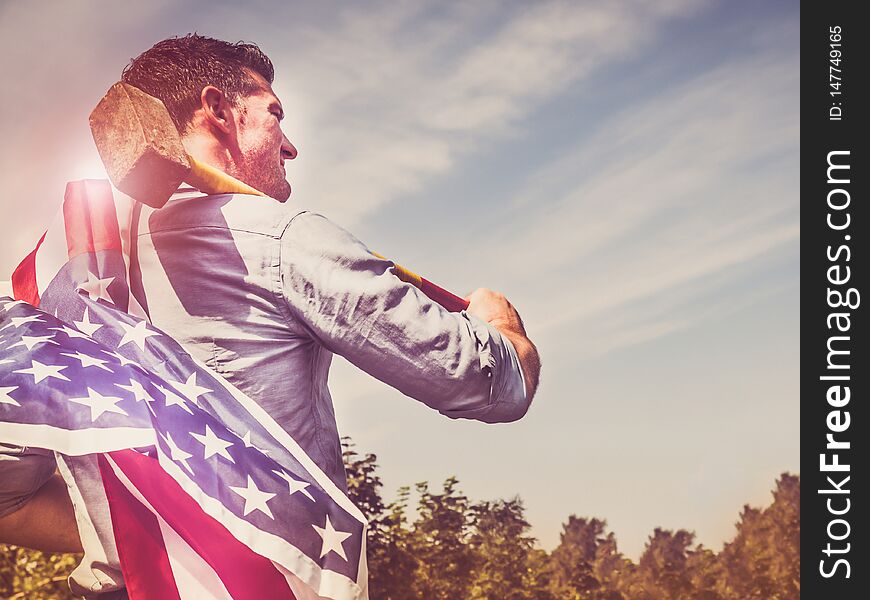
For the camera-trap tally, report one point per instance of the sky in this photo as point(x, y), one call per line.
point(626, 173)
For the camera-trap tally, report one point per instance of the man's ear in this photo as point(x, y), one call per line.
point(216, 109)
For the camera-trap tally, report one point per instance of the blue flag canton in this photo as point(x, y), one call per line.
point(55, 374)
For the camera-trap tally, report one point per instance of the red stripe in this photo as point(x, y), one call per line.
point(24, 278)
point(90, 218)
point(244, 573)
point(144, 562)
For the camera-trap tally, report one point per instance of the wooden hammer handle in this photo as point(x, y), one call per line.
point(210, 180)
point(448, 300)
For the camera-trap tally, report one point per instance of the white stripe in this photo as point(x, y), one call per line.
point(52, 254)
point(194, 578)
point(76, 441)
point(297, 586)
point(124, 205)
point(95, 552)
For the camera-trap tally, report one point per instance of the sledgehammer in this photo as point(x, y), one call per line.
point(142, 150)
point(145, 158)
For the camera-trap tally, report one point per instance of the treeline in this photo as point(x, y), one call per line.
point(456, 548)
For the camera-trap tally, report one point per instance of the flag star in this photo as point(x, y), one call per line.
point(5, 360)
point(31, 340)
point(7, 304)
point(88, 360)
point(100, 404)
point(213, 444)
point(123, 359)
point(72, 333)
point(97, 288)
point(9, 457)
point(173, 399)
point(5, 398)
point(295, 484)
point(19, 321)
point(247, 441)
point(41, 371)
point(255, 499)
point(190, 389)
point(86, 325)
point(138, 334)
point(332, 539)
point(137, 390)
point(177, 454)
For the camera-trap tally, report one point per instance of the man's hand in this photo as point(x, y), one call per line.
point(495, 309)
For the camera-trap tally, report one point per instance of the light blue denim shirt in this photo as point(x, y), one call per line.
point(265, 294)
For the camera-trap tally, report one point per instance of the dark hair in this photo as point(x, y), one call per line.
point(176, 69)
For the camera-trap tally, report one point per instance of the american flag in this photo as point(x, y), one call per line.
point(209, 497)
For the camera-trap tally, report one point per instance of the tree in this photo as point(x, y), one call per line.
point(663, 565)
point(572, 563)
point(763, 560)
point(502, 553)
point(363, 485)
point(391, 561)
point(440, 543)
point(610, 569)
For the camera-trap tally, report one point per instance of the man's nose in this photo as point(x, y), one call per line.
point(288, 150)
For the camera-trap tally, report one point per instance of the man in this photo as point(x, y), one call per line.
point(265, 293)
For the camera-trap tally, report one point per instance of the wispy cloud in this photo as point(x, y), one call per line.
point(391, 104)
point(675, 197)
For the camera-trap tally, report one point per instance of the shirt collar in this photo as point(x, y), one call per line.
point(185, 192)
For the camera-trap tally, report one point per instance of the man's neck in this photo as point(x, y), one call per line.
point(203, 148)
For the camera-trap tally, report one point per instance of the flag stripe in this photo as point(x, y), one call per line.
point(137, 291)
point(245, 574)
point(195, 579)
point(51, 256)
point(144, 562)
point(90, 217)
point(24, 277)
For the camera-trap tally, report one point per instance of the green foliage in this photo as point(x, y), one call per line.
point(31, 574)
point(502, 553)
point(763, 560)
point(453, 548)
point(440, 543)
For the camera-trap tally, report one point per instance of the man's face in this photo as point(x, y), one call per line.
point(262, 145)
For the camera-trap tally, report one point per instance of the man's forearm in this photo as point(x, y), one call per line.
point(46, 522)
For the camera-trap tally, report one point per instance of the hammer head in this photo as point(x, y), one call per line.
point(139, 144)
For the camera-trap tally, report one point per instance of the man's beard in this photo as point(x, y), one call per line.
point(261, 170)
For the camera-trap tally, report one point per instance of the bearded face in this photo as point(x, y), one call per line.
point(262, 145)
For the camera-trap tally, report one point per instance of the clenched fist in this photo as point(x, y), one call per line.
point(495, 309)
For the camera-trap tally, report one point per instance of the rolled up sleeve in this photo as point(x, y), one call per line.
point(351, 302)
point(22, 472)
